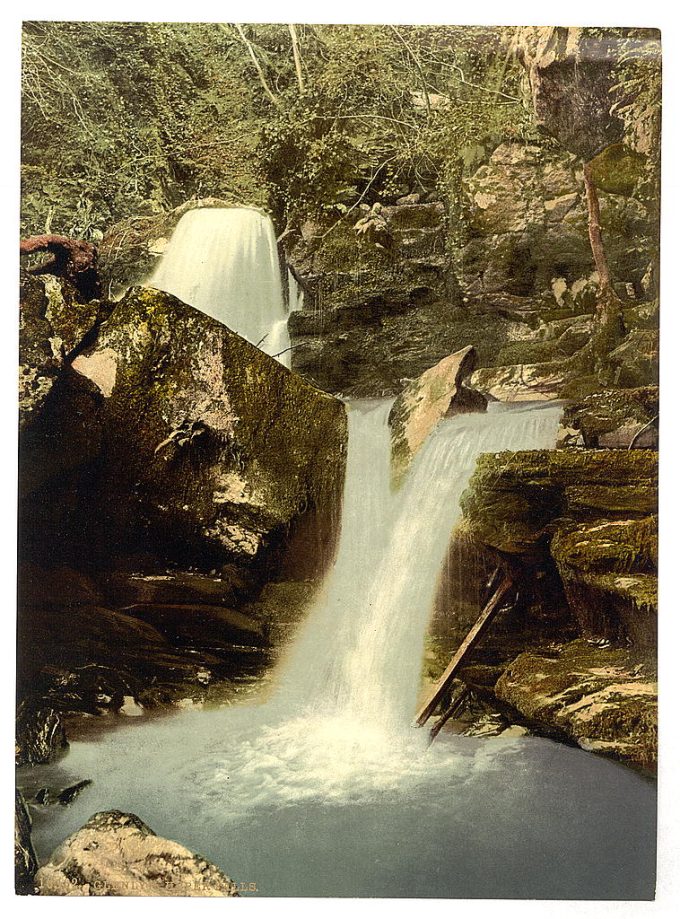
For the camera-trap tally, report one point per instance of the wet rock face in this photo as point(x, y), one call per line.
point(40, 731)
point(603, 698)
point(438, 392)
point(385, 278)
point(590, 513)
point(117, 855)
point(25, 861)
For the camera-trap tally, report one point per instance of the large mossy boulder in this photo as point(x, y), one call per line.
point(439, 392)
point(210, 449)
point(118, 855)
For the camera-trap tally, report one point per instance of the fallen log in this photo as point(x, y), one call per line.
point(456, 704)
point(469, 642)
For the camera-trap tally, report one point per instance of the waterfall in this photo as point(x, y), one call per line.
point(225, 263)
point(359, 657)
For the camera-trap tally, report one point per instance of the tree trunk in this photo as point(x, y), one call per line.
point(608, 303)
point(297, 58)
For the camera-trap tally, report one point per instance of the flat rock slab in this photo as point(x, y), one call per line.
point(604, 699)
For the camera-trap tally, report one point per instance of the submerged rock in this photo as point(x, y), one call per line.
point(117, 855)
point(604, 699)
point(438, 392)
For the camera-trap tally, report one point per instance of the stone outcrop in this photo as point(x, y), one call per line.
point(529, 234)
point(521, 382)
point(439, 392)
point(616, 418)
point(379, 295)
point(572, 75)
point(585, 519)
point(602, 698)
point(117, 855)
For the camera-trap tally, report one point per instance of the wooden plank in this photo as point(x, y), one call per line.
point(468, 644)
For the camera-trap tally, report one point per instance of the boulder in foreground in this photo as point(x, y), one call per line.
point(117, 855)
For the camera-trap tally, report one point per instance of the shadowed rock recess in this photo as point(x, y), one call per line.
point(168, 470)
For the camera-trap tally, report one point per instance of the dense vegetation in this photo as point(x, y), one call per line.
point(122, 119)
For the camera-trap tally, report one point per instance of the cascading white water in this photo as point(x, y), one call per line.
point(225, 263)
point(359, 657)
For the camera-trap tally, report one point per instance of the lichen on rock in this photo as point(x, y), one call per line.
point(118, 855)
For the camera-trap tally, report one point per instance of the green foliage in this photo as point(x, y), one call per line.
point(131, 118)
point(134, 118)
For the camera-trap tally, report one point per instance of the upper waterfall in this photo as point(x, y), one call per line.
point(225, 263)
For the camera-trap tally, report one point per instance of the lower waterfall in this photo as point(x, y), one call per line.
point(363, 643)
point(325, 788)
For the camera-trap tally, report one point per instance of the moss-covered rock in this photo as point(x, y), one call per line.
point(52, 324)
point(380, 298)
point(528, 228)
point(211, 448)
point(608, 568)
point(590, 513)
point(602, 698)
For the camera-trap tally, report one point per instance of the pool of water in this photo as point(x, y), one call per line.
point(313, 807)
